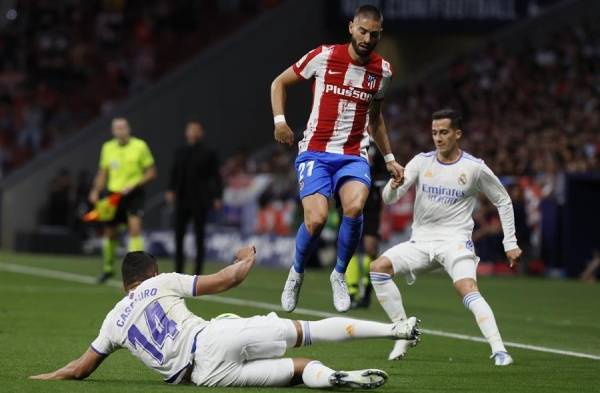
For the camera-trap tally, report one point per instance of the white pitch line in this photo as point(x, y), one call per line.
point(81, 278)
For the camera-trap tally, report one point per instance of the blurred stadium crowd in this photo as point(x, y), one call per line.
point(63, 63)
point(533, 115)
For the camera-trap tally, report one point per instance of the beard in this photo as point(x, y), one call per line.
point(363, 52)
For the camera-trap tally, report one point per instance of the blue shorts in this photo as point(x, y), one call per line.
point(324, 173)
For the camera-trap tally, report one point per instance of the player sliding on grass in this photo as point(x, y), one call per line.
point(447, 182)
point(350, 81)
point(154, 324)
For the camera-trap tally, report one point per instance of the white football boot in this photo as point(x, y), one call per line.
point(341, 297)
point(400, 349)
point(291, 290)
point(407, 331)
point(502, 358)
point(359, 379)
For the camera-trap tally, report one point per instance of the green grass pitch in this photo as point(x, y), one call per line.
point(45, 322)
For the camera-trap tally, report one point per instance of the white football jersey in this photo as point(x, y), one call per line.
point(154, 324)
point(446, 195)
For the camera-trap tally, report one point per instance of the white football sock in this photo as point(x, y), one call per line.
point(316, 375)
point(485, 319)
point(339, 329)
point(388, 295)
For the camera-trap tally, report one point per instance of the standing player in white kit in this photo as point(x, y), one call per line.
point(447, 182)
point(154, 324)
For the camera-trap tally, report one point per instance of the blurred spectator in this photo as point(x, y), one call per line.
point(517, 195)
point(278, 202)
point(487, 235)
point(30, 134)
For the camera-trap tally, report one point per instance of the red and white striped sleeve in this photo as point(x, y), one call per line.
point(308, 64)
point(386, 79)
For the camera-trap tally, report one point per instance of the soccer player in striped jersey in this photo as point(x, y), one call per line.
point(349, 81)
point(154, 324)
point(447, 182)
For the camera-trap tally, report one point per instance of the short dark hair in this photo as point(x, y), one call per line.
point(138, 266)
point(369, 11)
point(454, 116)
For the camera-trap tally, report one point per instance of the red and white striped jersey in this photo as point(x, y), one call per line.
point(342, 93)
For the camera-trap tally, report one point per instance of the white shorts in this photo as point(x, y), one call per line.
point(244, 352)
point(413, 257)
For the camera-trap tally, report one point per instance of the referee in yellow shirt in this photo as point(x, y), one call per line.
point(126, 165)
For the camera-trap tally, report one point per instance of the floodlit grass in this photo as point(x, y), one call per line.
point(46, 322)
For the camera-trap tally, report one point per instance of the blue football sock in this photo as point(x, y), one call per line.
point(348, 239)
point(305, 246)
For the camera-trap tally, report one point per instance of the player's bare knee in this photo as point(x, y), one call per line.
point(315, 220)
point(382, 265)
point(465, 286)
point(354, 209)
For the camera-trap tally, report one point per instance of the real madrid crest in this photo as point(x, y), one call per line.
point(462, 179)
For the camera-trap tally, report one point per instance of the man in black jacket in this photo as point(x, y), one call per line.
point(195, 187)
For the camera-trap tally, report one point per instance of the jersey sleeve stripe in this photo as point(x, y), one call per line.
point(383, 81)
point(303, 62)
point(98, 352)
point(194, 286)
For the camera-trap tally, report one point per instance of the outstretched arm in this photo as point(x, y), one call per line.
point(229, 277)
point(77, 369)
point(283, 133)
point(490, 185)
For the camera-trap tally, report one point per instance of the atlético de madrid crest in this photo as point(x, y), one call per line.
point(371, 80)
